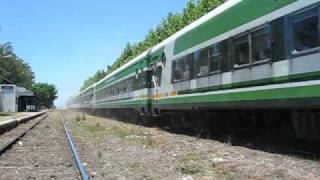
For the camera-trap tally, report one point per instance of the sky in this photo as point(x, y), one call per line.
point(66, 41)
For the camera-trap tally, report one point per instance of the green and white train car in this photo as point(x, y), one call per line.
point(245, 54)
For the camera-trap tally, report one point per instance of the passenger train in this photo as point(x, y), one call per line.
point(253, 62)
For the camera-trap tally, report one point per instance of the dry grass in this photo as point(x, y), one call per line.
point(93, 126)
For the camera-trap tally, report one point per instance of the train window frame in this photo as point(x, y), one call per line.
point(243, 38)
point(198, 59)
point(185, 67)
point(297, 17)
point(268, 31)
point(249, 35)
point(176, 66)
point(215, 56)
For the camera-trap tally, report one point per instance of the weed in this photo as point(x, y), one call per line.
point(78, 119)
point(189, 169)
point(189, 164)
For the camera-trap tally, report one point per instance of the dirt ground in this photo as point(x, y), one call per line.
point(116, 150)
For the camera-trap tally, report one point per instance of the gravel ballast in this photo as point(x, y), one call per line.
point(43, 153)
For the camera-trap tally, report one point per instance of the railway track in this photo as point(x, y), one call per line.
point(38, 149)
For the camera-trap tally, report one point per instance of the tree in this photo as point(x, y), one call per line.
point(190, 13)
point(14, 68)
point(45, 93)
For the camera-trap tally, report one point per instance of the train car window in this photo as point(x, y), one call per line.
point(241, 45)
point(116, 89)
point(261, 44)
point(185, 68)
point(190, 60)
point(113, 90)
point(122, 87)
point(136, 82)
point(215, 58)
point(119, 88)
point(109, 91)
point(146, 81)
point(105, 93)
point(176, 71)
point(129, 83)
point(163, 59)
point(305, 30)
point(203, 62)
point(158, 75)
point(142, 80)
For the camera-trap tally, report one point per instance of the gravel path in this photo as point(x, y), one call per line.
point(116, 150)
point(43, 153)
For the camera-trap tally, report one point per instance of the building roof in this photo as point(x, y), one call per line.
point(20, 91)
point(24, 92)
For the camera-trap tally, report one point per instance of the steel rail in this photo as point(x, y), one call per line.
point(9, 144)
point(75, 154)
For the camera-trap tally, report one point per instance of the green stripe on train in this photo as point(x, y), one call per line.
point(311, 91)
point(266, 81)
point(240, 14)
point(273, 94)
point(122, 104)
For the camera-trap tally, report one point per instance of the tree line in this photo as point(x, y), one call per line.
point(15, 70)
point(171, 24)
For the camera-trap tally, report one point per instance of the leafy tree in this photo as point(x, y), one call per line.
point(45, 93)
point(174, 22)
point(190, 12)
point(14, 68)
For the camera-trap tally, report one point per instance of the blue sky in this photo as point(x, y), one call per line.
point(67, 41)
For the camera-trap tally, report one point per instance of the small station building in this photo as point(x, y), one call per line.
point(16, 99)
